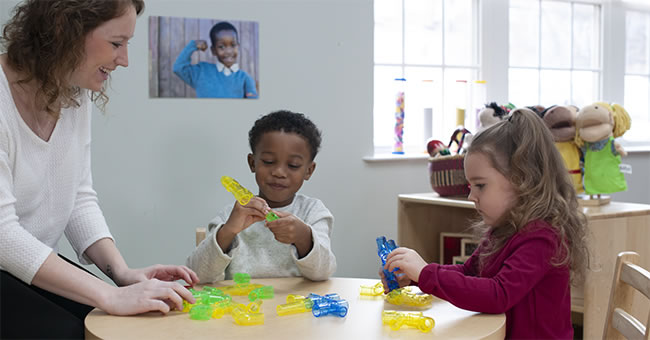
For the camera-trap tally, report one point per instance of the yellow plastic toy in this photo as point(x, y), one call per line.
point(243, 317)
point(240, 288)
point(255, 306)
point(376, 290)
point(404, 296)
point(395, 320)
point(292, 298)
point(220, 309)
point(242, 195)
point(295, 304)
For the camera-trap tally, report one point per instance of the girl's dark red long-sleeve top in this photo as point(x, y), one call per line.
point(519, 281)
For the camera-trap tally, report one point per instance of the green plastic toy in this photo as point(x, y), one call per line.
point(265, 292)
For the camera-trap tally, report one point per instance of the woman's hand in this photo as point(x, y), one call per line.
point(159, 272)
point(407, 260)
point(146, 296)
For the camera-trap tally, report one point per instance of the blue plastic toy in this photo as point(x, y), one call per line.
point(383, 249)
point(330, 304)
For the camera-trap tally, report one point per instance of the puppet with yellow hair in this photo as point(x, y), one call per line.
point(596, 127)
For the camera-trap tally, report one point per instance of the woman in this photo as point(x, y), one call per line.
point(59, 56)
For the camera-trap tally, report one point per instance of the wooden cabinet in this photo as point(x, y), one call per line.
point(613, 228)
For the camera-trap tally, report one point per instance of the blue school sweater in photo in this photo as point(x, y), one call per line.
point(208, 82)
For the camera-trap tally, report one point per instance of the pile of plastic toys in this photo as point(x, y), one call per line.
point(215, 303)
point(398, 296)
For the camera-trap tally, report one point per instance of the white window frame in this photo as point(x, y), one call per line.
point(539, 68)
point(621, 11)
point(384, 151)
point(494, 56)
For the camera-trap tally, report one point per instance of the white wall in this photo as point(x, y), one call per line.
point(638, 183)
point(157, 162)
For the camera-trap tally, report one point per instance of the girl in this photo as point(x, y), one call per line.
point(532, 234)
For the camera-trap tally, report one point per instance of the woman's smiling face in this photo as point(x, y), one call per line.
point(105, 49)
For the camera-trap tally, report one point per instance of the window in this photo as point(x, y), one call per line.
point(432, 44)
point(554, 50)
point(548, 52)
point(637, 73)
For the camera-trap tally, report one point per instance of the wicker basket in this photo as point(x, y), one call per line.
point(447, 175)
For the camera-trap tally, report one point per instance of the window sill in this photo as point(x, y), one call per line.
point(637, 149)
point(389, 157)
point(416, 157)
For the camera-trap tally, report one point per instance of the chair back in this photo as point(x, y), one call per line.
point(628, 276)
point(200, 235)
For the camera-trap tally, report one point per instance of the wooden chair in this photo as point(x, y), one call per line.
point(628, 276)
point(200, 234)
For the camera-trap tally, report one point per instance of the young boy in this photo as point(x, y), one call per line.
point(283, 147)
point(223, 80)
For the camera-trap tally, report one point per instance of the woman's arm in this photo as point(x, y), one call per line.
point(59, 277)
point(108, 259)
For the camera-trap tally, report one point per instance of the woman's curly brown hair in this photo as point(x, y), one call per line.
point(45, 40)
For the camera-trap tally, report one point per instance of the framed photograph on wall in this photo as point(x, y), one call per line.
point(203, 58)
point(467, 247)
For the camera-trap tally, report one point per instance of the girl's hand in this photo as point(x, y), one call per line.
point(201, 45)
point(407, 260)
point(242, 216)
point(402, 280)
point(290, 229)
point(160, 272)
point(146, 296)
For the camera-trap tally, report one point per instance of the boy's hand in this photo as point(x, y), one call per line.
point(407, 260)
point(241, 217)
point(290, 229)
point(201, 45)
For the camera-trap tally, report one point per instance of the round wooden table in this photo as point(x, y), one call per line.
point(363, 320)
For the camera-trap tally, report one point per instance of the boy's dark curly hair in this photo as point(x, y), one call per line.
point(289, 122)
point(222, 26)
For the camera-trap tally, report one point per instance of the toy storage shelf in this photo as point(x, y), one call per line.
point(613, 228)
